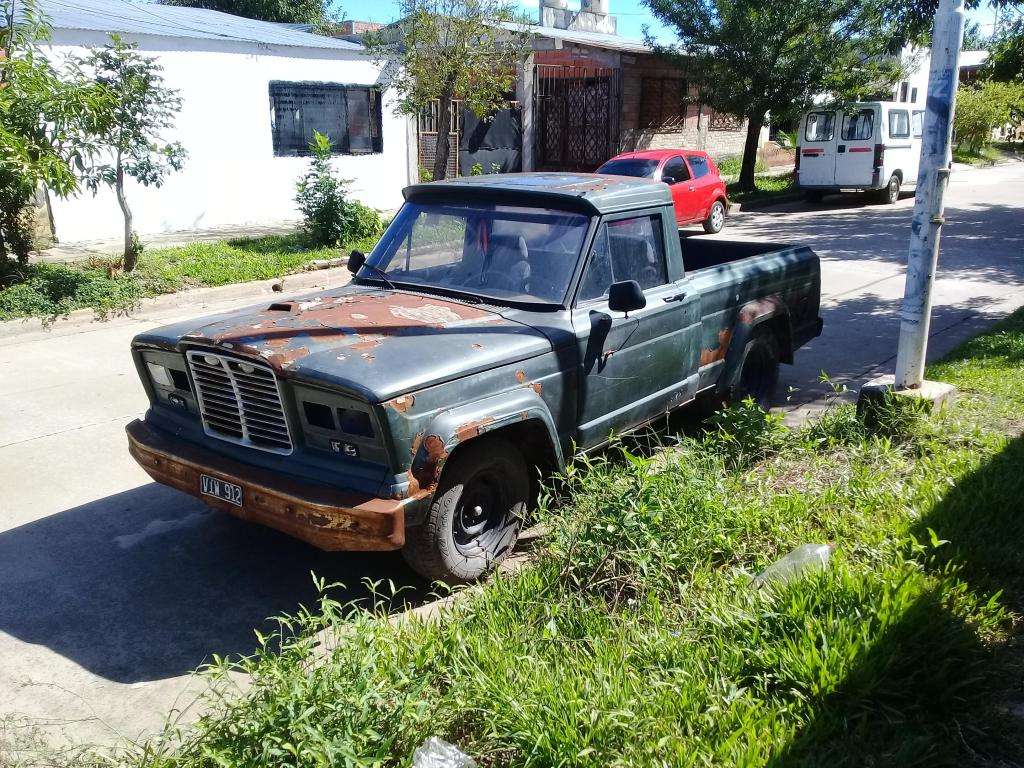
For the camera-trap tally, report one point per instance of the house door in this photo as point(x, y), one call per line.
point(576, 116)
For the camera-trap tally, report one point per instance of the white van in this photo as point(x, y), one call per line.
point(872, 146)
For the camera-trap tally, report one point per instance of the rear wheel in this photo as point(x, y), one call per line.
point(759, 369)
point(891, 193)
point(475, 516)
point(715, 221)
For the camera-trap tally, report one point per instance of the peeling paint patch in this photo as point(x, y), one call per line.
point(402, 403)
point(708, 356)
point(537, 387)
point(520, 376)
point(472, 429)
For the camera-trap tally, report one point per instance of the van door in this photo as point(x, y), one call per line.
point(899, 148)
point(855, 155)
point(818, 150)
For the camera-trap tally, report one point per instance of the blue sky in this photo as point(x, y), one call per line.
point(632, 15)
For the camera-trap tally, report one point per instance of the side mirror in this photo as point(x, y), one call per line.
point(668, 180)
point(626, 297)
point(356, 259)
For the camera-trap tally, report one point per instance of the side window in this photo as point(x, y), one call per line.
point(859, 126)
point(820, 126)
point(625, 249)
point(917, 123)
point(699, 165)
point(899, 124)
point(675, 168)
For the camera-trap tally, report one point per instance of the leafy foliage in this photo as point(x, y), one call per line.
point(315, 12)
point(142, 108)
point(983, 107)
point(46, 116)
point(451, 49)
point(329, 218)
point(52, 290)
point(756, 58)
point(1006, 58)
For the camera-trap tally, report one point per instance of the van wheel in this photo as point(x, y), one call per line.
point(475, 516)
point(891, 193)
point(759, 369)
point(715, 221)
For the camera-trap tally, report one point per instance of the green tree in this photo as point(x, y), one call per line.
point(1006, 59)
point(983, 107)
point(756, 58)
point(142, 109)
point(46, 117)
point(447, 49)
point(315, 12)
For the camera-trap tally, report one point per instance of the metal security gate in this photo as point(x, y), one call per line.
point(576, 116)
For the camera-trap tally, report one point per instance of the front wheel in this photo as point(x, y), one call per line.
point(891, 193)
point(475, 516)
point(759, 369)
point(715, 221)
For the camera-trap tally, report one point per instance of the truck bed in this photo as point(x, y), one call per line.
point(703, 253)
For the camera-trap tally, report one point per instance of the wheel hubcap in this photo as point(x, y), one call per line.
point(717, 216)
point(481, 511)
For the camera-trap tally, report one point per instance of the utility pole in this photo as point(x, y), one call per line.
point(915, 316)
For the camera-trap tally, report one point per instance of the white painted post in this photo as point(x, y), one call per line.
point(915, 317)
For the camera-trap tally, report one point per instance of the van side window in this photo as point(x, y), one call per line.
point(820, 126)
point(625, 249)
point(859, 126)
point(699, 165)
point(899, 124)
point(917, 123)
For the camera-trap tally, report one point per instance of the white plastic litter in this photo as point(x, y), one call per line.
point(438, 753)
point(807, 558)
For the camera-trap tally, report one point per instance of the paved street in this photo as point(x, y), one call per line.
point(112, 588)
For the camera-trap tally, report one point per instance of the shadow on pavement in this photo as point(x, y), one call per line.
point(148, 583)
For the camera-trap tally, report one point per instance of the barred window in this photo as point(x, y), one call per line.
point(663, 101)
point(349, 115)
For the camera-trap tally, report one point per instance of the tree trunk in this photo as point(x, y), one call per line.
point(130, 256)
point(444, 125)
point(754, 124)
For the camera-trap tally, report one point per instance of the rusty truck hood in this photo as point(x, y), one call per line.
point(373, 342)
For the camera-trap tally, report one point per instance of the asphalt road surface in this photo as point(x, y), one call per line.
point(113, 589)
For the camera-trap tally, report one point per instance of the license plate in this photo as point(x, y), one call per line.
point(221, 489)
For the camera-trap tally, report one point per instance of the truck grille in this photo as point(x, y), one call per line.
point(240, 401)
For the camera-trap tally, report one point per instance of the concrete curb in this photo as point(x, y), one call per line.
point(301, 281)
point(768, 202)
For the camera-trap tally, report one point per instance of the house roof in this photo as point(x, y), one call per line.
point(595, 39)
point(970, 59)
point(142, 18)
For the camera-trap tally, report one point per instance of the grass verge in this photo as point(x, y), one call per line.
point(766, 187)
point(990, 155)
point(52, 290)
point(635, 638)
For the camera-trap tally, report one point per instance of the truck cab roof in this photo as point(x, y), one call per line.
point(591, 193)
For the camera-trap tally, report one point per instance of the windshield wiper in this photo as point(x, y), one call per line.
point(381, 274)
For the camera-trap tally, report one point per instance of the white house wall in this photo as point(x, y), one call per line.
point(231, 177)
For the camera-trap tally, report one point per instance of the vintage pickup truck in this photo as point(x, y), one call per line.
point(500, 324)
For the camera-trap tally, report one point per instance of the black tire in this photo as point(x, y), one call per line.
point(715, 221)
point(814, 197)
point(890, 194)
point(453, 544)
point(759, 369)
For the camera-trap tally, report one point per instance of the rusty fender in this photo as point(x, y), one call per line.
point(455, 426)
point(750, 316)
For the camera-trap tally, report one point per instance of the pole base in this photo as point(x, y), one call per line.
point(930, 396)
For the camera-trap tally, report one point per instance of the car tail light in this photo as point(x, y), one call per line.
point(879, 155)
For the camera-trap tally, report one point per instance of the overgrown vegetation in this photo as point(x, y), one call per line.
point(329, 218)
point(764, 187)
point(635, 638)
point(50, 290)
point(983, 107)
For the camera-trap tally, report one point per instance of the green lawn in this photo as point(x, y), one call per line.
point(51, 290)
point(634, 637)
point(989, 155)
point(766, 187)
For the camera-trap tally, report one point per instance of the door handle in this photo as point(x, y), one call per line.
point(842, 147)
point(677, 297)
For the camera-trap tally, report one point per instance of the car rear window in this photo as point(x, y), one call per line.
point(859, 126)
point(699, 165)
point(630, 166)
point(820, 126)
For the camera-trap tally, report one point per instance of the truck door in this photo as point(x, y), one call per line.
point(818, 150)
point(635, 367)
point(855, 155)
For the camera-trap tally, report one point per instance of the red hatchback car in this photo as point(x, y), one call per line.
point(697, 188)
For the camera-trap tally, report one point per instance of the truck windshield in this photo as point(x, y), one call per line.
point(639, 167)
point(496, 251)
